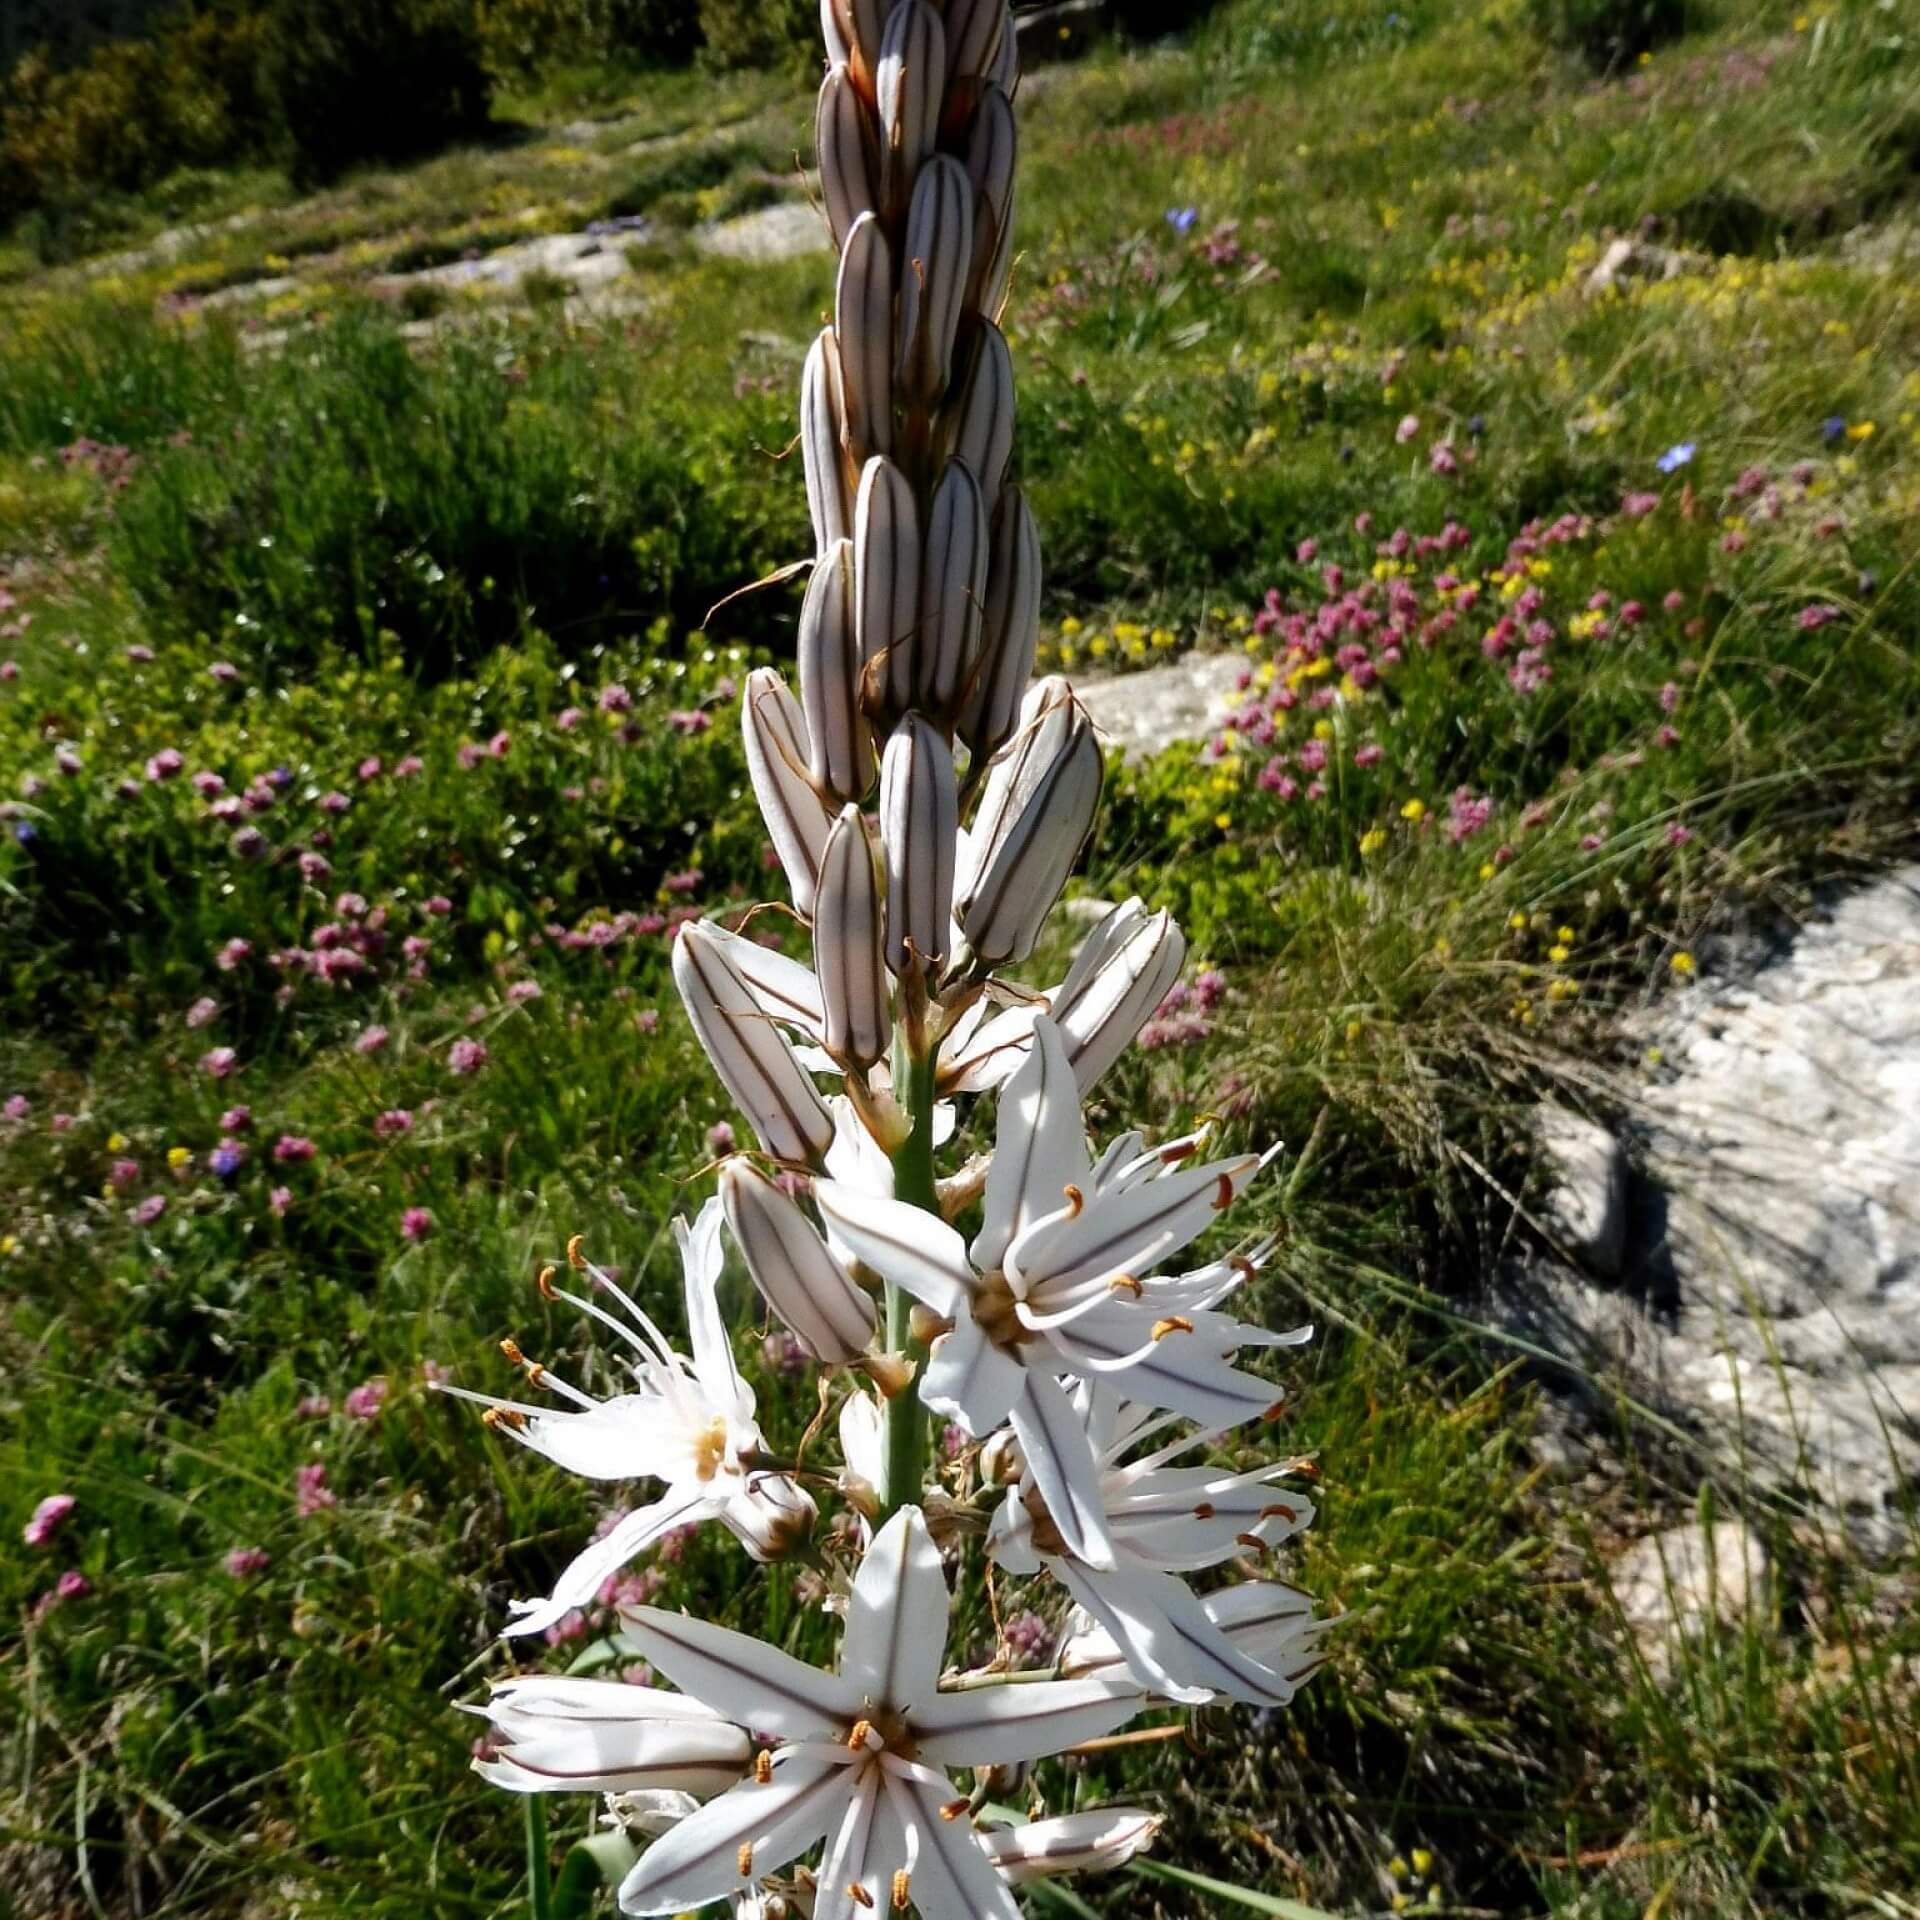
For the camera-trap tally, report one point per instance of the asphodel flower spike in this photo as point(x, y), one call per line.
point(794, 1269)
point(749, 1052)
point(1036, 1295)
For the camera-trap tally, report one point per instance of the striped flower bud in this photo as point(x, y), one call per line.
point(992, 150)
point(853, 30)
point(839, 740)
point(953, 584)
point(777, 758)
point(919, 823)
point(858, 1015)
point(983, 435)
point(886, 577)
point(1041, 795)
point(806, 1288)
point(974, 28)
point(822, 412)
point(933, 282)
point(1122, 972)
point(749, 1053)
point(1005, 71)
point(843, 147)
point(909, 88)
point(1010, 628)
point(863, 325)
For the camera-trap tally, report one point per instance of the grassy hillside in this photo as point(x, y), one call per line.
point(365, 731)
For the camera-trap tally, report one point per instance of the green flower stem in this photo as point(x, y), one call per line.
point(539, 1867)
point(906, 1424)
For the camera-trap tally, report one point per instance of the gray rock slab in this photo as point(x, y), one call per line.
point(783, 231)
point(1143, 712)
point(584, 260)
point(1673, 1585)
point(1585, 1208)
point(1771, 1299)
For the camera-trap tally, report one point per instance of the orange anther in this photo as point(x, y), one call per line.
point(1173, 1323)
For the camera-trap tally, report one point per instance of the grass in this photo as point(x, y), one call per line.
point(445, 550)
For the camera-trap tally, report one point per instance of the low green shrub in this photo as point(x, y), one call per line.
point(355, 80)
point(528, 36)
point(130, 114)
point(759, 33)
point(1612, 32)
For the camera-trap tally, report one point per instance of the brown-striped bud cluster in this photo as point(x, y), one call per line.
point(906, 407)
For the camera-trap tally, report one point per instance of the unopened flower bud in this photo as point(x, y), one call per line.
point(983, 434)
point(843, 142)
point(1009, 629)
point(909, 89)
point(1122, 972)
point(1042, 791)
point(796, 817)
point(953, 584)
point(924, 1325)
point(974, 28)
point(805, 1287)
point(992, 149)
point(886, 578)
point(773, 1517)
point(1005, 71)
point(853, 30)
point(938, 260)
point(919, 822)
point(1096, 1841)
point(863, 325)
point(839, 740)
point(1001, 1461)
point(846, 947)
point(749, 1053)
point(822, 442)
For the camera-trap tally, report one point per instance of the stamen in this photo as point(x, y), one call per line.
point(545, 1284)
point(857, 1738)
point(763, 1767)
point(1274, 1412)
point(575, 1258)
point(1177, 1150)
point(953, 1809)
point(1205, 1510)
point(1224, 1197)
point(744, 1860)
point(902, 1889)
point(1242, 1265)
point(1306, 1469)
point(1251, 1541)
point(1076, 1200)
point(1173, 1323)
point(1278, 1512)
point(511, 1348)
point(1125, 1283)
point(504, 1417)
point(858, 1894)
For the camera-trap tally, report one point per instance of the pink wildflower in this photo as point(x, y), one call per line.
point(48, 1518)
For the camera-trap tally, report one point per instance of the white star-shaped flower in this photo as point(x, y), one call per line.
point(863, 1755)
point(1058, 1281)
point(689, 1423)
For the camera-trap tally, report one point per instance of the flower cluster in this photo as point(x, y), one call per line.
point(1084, 1374)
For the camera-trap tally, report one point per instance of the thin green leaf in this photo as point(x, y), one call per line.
point(1224, 1890)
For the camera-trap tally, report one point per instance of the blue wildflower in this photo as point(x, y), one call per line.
point(1181, 219)
point(1832, 427)
point(1676, 457)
